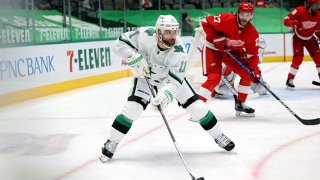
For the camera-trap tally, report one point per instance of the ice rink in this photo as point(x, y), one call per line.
point(60, 136)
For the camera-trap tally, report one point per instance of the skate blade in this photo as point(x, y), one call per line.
point(243, 114)
point(103, 158)
point(290, 88)
point(193, 120)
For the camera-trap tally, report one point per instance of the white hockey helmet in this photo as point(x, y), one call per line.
point(167, 22)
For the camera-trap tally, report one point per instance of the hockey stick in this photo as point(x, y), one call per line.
point(316, 83)
point(231, 88)
point(303, 121)
point(171, 134)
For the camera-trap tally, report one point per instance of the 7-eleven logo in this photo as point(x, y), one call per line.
point(89, 58)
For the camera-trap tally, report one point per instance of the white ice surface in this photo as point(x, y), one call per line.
point(60, 136)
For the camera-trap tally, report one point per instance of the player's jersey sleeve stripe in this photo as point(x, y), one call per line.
point(175, 77)
point(121, 38)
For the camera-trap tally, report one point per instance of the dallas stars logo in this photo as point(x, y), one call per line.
point(178, 48)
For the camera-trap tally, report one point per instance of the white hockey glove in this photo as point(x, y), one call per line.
point(138, 64)
point(258, 88)
point(163, 99)
point(199, 32)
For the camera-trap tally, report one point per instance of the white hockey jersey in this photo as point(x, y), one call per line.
point(166, 67)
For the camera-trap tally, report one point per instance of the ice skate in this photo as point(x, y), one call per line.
point(243, 110)
point(108, 150)
point(224, 142)
point(193, 120)
point(290, 85)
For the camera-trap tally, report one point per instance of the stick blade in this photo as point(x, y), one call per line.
point(310, 121)
point(201, 178)
point(316, 83)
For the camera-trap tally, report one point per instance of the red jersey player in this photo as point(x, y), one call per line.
point(305, 21)
point(236, 33)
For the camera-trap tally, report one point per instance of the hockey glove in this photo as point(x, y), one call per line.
point(297, 24)
point(220, 43)
point(138, 64)
point(163, 98)
point(257, 74)
point(199, 32)
point(258, 88)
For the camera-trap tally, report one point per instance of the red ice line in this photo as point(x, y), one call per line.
point(96, 160)
point(256, 171)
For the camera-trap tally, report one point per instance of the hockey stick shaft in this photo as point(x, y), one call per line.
point(303, 121)
point(169, 130)
point(231, 88)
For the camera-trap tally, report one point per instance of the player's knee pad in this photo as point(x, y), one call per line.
point(123, 122)
point(144, 103)
point(190, 101)
point(132, 110)
point(197, 110)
